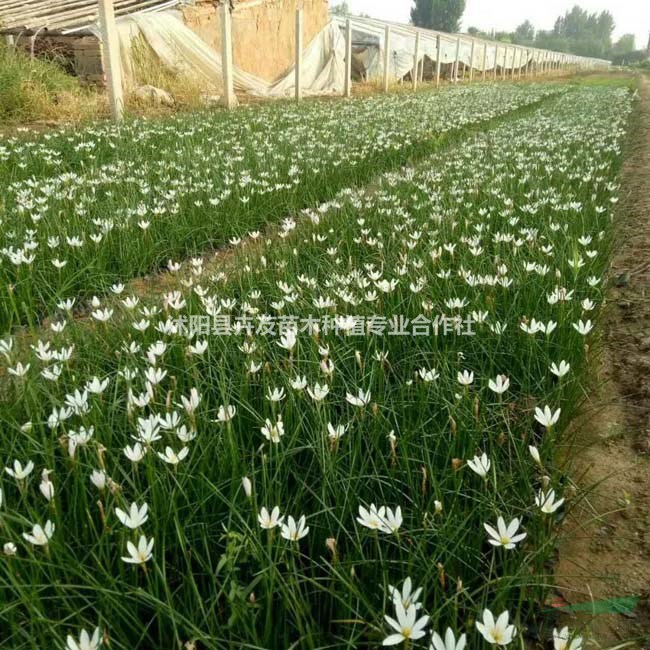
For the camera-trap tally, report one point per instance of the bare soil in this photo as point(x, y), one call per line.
point(605, 549)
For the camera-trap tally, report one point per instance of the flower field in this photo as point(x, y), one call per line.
point(342, 434)
point(82, 211)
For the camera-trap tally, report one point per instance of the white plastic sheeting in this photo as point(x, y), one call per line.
point(181, 50)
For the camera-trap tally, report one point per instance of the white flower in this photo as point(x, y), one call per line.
point(583, 328)
point(407, 626)
point(191, 403)
point(273, 432)
point(465, 378)
point(428, 376)
point(19, 370)
point(496, 632)
point(319, 392)
point(499, 385)
point(19, 472)
point(547, 418)
point(377, 519)
point(226, 413)
point(269, 520)
point(9, 549)
point(561, 640)
point(288, 339)
point(248, 486)
point(393, 520)
point(86, 642)
point(505, 535)
point(299, 383)
point(534, 452)
point(407, 596)
point(40, 536)
point(335, 432)
point(275, 395)
point(46, 486)
point(140, 554)
point(450, 642)
point(480, 465)
point(360, 400)
point(173, 458)
point(136, 453)
point(561, 369)
point(293, 530)
point(547, 502)
point(135, 517)
point(98, 478)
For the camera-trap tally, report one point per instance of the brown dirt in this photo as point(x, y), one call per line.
point(605, 548)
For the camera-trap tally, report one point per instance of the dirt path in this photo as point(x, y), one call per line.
point(605, 550)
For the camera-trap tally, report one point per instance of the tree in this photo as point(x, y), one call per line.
point(443, 15)
point(624, 45)
point(524, 34)
point(340, 9)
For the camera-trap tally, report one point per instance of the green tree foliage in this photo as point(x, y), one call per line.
point(576, 32)
point(624, 45)
point(443, 15)
point(341, 9)
point(524, 34)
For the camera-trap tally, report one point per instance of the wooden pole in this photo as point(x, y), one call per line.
point(528, 63)
point(484, 59)
point(298, 54)
point(438, 60)
point(496, 56)
point(111, 52)
point(416, 60)
point(514, 62)
point(386, 57)
point(471, 61)
point(229, 97)
point(347, 89)
point(520, 62)
point(9, 40)
point(505, 61)
point(455, 67)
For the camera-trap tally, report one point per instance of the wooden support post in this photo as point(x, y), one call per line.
point(484, 60)
point(520, 63)
point(416, 61)
point(9, 41)
point(438, 60)
point(347, 88)
point(229, 97)
point(111, 52)
point(455, 67)
point(298, 54)
point(386, 58)
point(514, 62)
point(471, 61)
point(505, 61)
point(528, 63)
point(422, 69)
point(496, 58)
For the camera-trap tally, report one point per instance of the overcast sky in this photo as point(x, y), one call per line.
point(630, 16)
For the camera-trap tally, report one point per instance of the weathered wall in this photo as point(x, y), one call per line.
point(263, 31)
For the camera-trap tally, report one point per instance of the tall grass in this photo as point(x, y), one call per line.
point(36, 89)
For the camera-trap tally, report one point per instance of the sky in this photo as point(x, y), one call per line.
point(630, 16)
